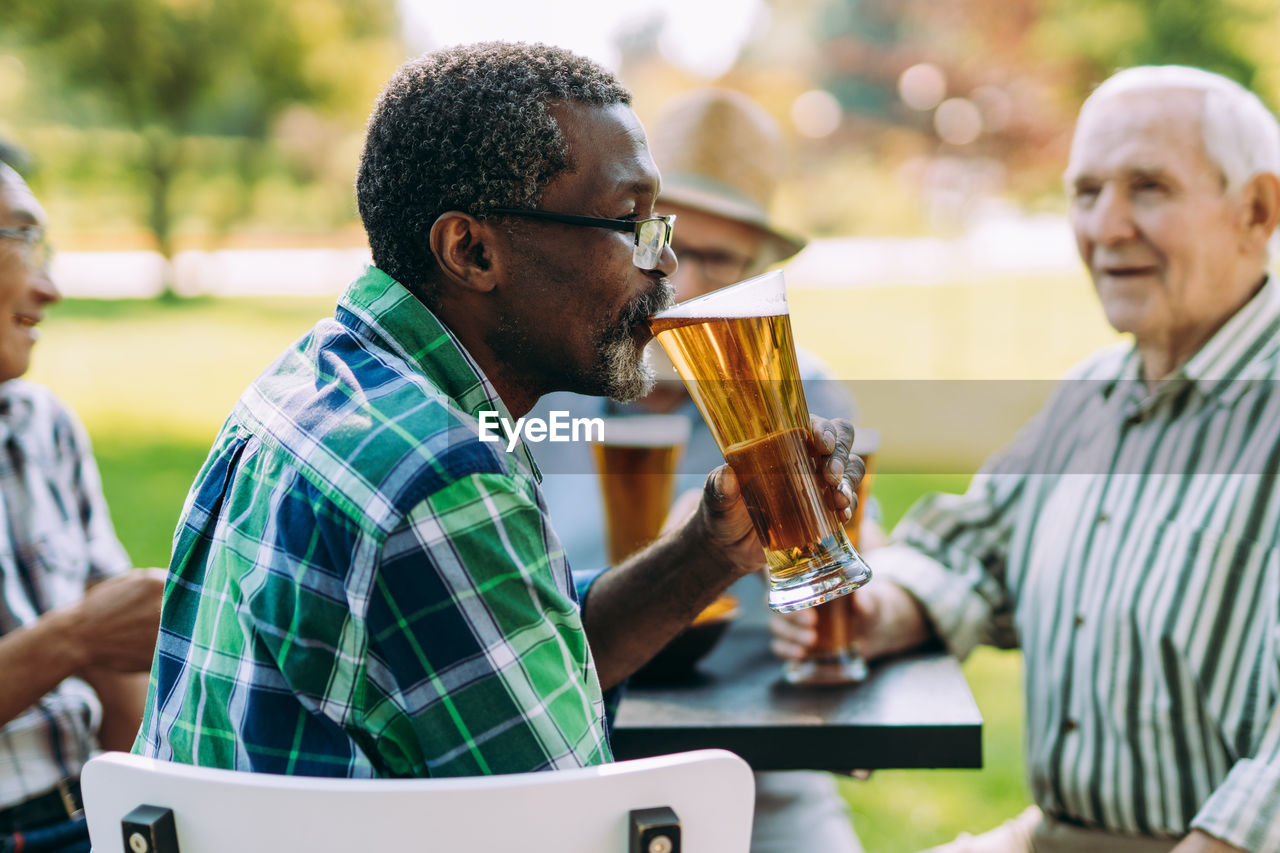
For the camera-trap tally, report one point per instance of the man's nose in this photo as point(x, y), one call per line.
point(667, 263)
point(1111, 219)
point(43, 285)
point(687, 281)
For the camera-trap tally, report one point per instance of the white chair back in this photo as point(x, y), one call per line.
point(568, 811)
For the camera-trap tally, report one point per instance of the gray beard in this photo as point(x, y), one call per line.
point(624, 371)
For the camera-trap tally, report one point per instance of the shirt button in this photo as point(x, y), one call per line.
point(1079, 620)
point(1068, 726)
point(1103, 518)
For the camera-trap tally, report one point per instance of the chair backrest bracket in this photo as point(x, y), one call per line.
point(655, 830)
point(149, 829)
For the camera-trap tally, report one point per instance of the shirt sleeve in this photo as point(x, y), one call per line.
point(1243, 810)
point(478, 662)
point(951, 551)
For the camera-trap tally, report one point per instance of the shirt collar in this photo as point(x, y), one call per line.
point(384, 310)
point(1244, 345)
point(15, 410)
point(1247, 339)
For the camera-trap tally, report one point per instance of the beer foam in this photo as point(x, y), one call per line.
point(762, 296)
point(647, 431)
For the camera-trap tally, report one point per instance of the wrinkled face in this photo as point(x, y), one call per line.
point(576, 316)
point(1160, 238)
point(25, 286)
point(713, 250)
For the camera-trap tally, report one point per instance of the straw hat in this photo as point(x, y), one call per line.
point(720, 152)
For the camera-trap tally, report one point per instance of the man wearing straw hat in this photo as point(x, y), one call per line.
point(721, 156)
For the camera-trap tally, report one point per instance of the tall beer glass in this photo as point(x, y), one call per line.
point(834, 657)
point(734, 351)
point(636, 462)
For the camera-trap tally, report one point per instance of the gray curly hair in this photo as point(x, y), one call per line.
point(466, 128)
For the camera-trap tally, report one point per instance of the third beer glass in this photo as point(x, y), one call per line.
point(733, 349)
point(834, 657)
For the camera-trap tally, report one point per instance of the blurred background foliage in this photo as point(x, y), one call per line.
point(168, 125)
point(197, 115)
point(195, 123)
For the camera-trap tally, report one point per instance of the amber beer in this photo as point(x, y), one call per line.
point(834, 657)
point(637, 461)
point(733, 350)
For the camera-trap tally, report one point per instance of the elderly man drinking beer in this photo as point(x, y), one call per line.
point(360, 586)
point(722, 156)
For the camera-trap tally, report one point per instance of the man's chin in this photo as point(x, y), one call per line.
point(628, 389)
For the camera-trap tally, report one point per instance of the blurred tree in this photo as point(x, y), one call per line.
point(1015, 70)
point(172, 69)
point(1103, 35)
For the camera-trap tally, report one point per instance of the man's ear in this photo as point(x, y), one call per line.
point(1261, 213)
point(463, 245)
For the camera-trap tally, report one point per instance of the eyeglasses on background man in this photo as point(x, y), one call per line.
point(37, 252)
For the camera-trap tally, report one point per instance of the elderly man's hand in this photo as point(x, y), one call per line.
point(1201, 842)
point(724, 516)
point(118, 620)
point(883, 618)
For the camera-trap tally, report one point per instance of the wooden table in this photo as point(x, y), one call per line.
point(912, 711)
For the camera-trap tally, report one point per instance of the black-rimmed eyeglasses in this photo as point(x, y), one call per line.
point(652, 234)
point(37, 252)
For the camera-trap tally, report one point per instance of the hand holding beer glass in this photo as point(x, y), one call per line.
point(734, 351)
point(834, 657)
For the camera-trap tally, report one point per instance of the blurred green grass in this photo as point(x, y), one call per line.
point(154, 380)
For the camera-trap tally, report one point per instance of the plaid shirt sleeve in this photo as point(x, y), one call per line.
point(477, 659)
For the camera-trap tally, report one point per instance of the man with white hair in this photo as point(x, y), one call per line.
point(1129, 541)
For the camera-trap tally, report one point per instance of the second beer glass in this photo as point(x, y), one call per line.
point(637, 462)
point(734, 351)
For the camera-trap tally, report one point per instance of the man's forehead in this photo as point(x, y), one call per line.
point(1138, 132)
point(607, 146)
point(17, 203)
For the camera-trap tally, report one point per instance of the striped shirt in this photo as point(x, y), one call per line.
point(359, 585)
point(1129, 542)
point(56, 538)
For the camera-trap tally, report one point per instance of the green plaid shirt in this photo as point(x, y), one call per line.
point(359, 585)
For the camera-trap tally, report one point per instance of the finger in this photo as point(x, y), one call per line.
point(822, 435)
point(843, 498)
point(721, 490)
point(834, 439)
point(793, 631)
point(784, 650)
point(806, 618)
